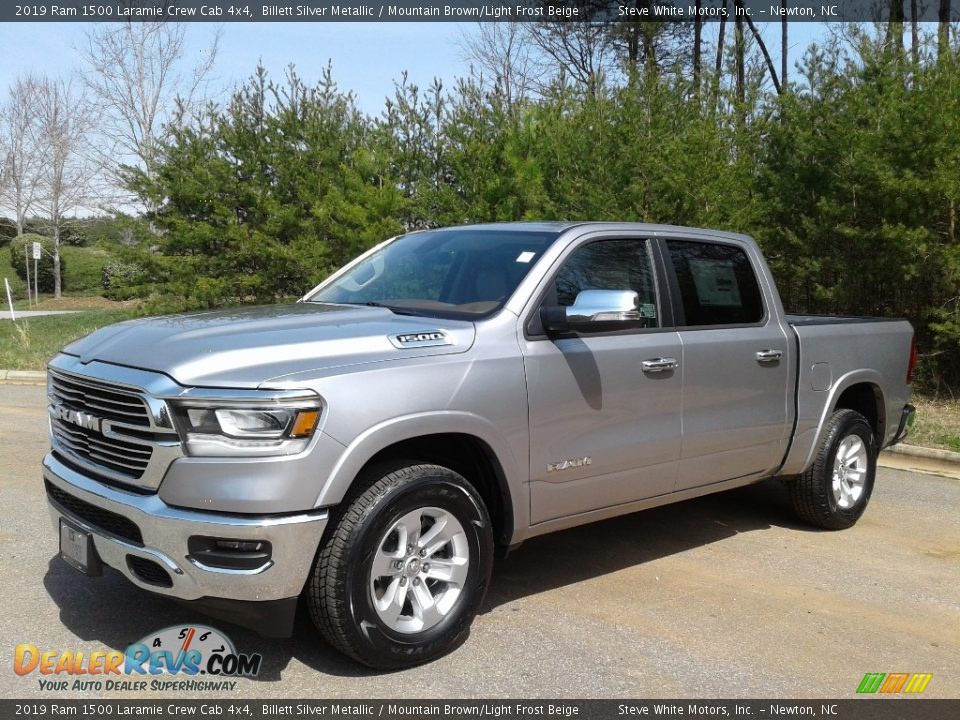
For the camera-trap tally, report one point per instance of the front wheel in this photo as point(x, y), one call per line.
point(404, 572)
point(834, 492)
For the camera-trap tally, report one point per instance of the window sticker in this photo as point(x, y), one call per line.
point(525, 257)
point(716, 283)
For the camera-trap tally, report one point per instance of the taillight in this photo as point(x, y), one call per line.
point(913, 360)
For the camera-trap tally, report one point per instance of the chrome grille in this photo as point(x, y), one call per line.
point(107, 402)
point(120, 456)
point(115, 444)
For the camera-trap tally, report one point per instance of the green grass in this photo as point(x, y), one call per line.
point(937, 424)
point(29, 343)
point(18, 288)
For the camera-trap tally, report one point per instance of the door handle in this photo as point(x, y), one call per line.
point(766, 356)
point(656, 365)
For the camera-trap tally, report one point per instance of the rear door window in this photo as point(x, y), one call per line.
point(717, 284)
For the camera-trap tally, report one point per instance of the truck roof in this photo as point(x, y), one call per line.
point(560, 226)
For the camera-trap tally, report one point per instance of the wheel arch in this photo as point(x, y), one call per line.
point(865, 398)
point(461, 442)
point(858, 390)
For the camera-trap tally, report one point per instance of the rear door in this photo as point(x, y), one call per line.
point(735, 363)
point(603, 429)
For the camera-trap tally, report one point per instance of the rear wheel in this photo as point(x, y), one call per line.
point(403, 574)
point(835, 491)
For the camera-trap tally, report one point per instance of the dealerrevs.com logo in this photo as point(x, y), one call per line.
point(182, 651)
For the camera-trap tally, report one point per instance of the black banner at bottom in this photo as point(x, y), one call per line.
point(859, 709)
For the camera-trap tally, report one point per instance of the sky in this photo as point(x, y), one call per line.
point(367, 57)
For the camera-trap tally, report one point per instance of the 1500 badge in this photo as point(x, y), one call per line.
point(432, 338)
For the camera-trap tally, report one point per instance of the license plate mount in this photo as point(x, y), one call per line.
point(78, 551)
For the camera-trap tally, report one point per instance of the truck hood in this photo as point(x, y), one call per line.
point(250, 347)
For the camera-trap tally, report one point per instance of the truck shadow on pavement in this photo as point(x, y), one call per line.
point(112, 612)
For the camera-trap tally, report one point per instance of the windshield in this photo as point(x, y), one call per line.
point(445, 273)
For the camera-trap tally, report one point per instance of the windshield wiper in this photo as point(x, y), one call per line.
point(392, 308)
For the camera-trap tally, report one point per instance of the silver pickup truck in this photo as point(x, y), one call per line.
point(447, 395)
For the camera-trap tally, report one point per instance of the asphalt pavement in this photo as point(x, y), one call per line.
point(723, 596)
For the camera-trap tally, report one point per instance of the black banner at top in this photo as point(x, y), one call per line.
point(490, 709)
point(467, 10)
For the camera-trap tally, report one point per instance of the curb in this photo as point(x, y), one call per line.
point(23, 376)
point(947, 456)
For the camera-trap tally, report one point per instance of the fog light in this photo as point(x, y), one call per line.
point(241, 545)
point(229, 553)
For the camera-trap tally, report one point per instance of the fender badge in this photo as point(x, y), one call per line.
point(569, 464)
point(431, 338)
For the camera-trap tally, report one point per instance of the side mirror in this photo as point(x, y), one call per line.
point(594, 311)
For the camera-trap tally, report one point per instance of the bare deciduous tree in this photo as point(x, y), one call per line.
point(784, 46)
point(697, 46)
point(943, 33)
point(718, 61)
point(20, 156)
point(914, 33)
point(766, 55)
point(894, 36)
point(576, 50)
point(503, 55)
point(61, 134)
point(139, 77)
point(739, 50)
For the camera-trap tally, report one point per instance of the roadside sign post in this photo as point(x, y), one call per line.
point(26, 263)
point(37, 249)
point(10, 300)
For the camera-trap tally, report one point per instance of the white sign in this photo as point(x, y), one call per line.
point(36, 251)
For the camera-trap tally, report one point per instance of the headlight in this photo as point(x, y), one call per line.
point(245, 431)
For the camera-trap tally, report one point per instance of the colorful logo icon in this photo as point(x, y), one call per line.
point(892, 683)
point(177, 650)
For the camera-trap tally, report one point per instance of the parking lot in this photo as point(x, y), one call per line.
point(722, 596)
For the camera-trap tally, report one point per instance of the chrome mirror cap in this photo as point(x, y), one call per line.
point(601, 306)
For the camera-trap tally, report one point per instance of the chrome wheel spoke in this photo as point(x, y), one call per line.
point(433, 536)
point(408, 530)
point(445, 534)
point(450, 571)
point(384, 563)
point(425, 605)
point(844, 495)
point(394, 598)
point(853, 449)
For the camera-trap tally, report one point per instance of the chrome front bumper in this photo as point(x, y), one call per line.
point(165, 531)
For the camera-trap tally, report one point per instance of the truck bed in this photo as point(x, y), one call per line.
point(838, 352)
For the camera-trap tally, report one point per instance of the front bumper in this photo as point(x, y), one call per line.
point(164, 532)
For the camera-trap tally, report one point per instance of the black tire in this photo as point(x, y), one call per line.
point(339, 597)
point(812, 494)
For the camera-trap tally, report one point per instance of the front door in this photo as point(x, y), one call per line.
point(604, 427)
